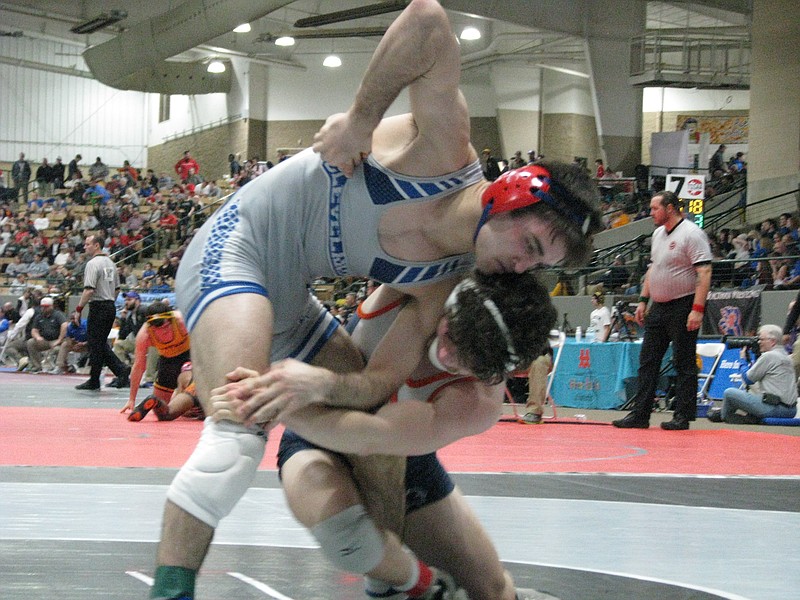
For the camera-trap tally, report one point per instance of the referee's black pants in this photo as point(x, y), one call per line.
point(665, 323)
point(98, 325)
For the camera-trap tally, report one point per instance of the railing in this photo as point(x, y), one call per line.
point(714, 60)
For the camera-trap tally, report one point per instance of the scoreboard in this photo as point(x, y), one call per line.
point(692, 190)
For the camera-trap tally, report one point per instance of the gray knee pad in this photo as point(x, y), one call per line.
point(219, 471)
point(350, 540)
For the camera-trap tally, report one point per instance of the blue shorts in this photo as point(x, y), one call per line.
point(426, 480)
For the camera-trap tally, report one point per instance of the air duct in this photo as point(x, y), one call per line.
point(136, 58)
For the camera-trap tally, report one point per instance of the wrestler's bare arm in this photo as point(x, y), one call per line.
point(403, 428)
point(290, 384)
point(419, 51)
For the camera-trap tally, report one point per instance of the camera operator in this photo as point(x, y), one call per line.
point(678, 279)
point(774, 372)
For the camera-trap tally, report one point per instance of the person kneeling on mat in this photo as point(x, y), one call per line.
point(774, 373)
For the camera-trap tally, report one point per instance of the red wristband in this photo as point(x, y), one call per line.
point(698, 308)
point(78, 309)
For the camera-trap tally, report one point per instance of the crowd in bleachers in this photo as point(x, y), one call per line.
point(140, 216)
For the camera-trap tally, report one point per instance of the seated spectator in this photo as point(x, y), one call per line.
point(46, 333)
point(160, 286)
point(17, 267)
point(563, 286)
point(774, 372)
point(74, 340)
point(19, 284)
point(38, 268)
point(148, 274)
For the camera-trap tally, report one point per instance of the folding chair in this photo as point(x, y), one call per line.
point(710, 350)
point(557, 344)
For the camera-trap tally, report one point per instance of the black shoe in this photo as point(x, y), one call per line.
point(88, 385)
point(677, 424)
point(632, 421)
point(715, 415)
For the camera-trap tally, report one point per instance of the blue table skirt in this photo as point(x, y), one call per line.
point(592, 375)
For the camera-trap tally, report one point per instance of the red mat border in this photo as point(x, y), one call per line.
point(90, 437)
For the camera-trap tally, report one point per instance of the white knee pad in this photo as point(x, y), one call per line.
point(219, 471)
point(350, 540)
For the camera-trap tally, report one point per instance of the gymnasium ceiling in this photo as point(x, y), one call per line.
point(507, 34)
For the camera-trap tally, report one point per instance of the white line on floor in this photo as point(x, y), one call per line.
point(262, 587)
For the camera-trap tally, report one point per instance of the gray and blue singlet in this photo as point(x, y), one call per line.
point(301, 220)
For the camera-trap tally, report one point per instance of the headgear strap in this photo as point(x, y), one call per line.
point(528, 185)
point(452, 303)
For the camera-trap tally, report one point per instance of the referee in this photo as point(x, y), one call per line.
point(100, 287)
point(677, 280)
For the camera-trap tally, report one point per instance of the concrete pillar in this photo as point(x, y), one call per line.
point(609, 28)
point(773, 159)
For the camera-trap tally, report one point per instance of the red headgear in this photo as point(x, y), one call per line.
point(516, 189)
point(526, 186)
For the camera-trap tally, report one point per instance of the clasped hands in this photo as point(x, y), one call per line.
point(255, 399)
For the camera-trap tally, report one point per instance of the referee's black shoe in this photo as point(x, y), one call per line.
point(632, 421)
point(677, 424)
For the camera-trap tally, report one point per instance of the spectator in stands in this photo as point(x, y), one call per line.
point(17, 267)
point(21, 175)
point(46, 333)
point(96, 193)
point(148, 274)
point(741, 269)
point(236, 167)
point(98, 171)
point(129, 173)
point(160, 286)
point(38, 268)
point(716, 166)
point(55, 278)
point(516, 161)
point(41, 222)
point(165, 181)
point(563, 286)
point(185, 166)
point(618, 217)
point(168, 228)
point(19, 284)
point(774, 372)
point(74, 340)
point(57, 169)
point(600, 170)
point(73, 171)
point(491, 170)
point(44, 179)
point(532, 157)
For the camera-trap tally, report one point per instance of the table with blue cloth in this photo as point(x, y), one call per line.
point(592, 374)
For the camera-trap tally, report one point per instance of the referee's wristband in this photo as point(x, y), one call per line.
point(78, 309)
point(698, 308)
point(644, 299)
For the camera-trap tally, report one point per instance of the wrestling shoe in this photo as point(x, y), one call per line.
point(531, 418)
point(444, 587)
point(144, 407)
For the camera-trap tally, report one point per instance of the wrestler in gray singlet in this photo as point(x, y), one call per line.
point(301, 220)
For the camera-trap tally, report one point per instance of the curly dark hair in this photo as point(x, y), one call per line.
point(528, 313)
point(571, 185)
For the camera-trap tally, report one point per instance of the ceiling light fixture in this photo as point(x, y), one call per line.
point(285, 40)
point(216, 66)
point(470, 33)
point(100, 21)
point(332, 61)
point(243, 28)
